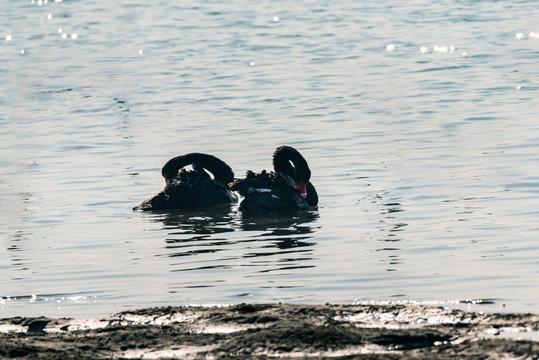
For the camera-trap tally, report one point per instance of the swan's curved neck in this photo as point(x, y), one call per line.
point(220, 170)
point(288, 160)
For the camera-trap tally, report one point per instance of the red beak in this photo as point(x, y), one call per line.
point(303, 190)
point(166, 180)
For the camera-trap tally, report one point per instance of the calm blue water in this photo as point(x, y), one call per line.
point(418, 118)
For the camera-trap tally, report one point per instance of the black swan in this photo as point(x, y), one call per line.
point(192, 189)
point(273, 193)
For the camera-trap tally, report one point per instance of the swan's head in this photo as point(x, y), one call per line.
point(167, 175)
point(303, 175)
point(302, 190)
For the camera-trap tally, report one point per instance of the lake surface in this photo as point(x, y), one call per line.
point(419, 120)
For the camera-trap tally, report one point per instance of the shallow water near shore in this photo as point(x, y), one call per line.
point(418, 120)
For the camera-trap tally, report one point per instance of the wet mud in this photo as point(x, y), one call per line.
point(257, 331)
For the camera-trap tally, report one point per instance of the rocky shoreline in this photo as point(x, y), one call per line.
point(263, 331)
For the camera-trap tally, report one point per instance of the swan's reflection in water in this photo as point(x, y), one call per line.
point(216, 246)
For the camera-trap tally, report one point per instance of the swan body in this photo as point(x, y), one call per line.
point(192, 189)
point(273, 193)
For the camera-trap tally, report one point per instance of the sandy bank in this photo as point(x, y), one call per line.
point(276, 331)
